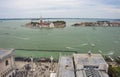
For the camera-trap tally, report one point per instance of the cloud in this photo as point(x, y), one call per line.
point(110, 2)
point(60, 8)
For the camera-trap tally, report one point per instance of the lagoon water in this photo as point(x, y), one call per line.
point(104, 40)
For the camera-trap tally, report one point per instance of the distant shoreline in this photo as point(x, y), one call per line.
point(59, 18)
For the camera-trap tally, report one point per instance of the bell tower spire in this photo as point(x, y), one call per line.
point(41, 22)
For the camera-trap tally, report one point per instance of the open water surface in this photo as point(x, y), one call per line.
point(104, 40)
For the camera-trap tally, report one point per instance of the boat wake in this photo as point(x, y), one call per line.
point(116, 42)
point(92, 45)
point(22, 38)
point(99, 51)
point(84, 44)
point(111, 53)
point(70, 48)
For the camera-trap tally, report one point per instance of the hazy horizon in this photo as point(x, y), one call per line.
point(55, 18)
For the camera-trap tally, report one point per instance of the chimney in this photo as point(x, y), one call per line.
point(89, 53)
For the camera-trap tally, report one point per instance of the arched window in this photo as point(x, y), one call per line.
point(13, 75)
point(6, 62)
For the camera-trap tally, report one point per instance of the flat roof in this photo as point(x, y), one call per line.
point(85, 59)
point(4, 53)
point(66, 68)
point(89, 62)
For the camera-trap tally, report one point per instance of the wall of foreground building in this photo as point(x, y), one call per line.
point(7, 63)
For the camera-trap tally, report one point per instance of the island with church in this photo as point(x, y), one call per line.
point(45, 24)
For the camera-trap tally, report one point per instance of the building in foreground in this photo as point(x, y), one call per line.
point(76, 65)
point(82, 65)
point(6, 63)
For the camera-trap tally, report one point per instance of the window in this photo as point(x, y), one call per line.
point(91, 66)
point(6, 62)
point(9, 75)
point(13, 75)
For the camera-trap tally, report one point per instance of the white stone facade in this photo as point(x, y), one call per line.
point(7, 63)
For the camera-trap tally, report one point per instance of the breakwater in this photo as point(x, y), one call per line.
point(46, 50)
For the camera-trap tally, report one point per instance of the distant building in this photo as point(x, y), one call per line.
point(116, 24)
point(7, 63)
point(82, 65)
point(45, 24)
point(103, 23)
point(99, 23)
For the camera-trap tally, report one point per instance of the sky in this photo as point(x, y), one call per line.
point(60, 8)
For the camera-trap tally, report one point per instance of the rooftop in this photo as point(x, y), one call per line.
point(66, 68)
point(82, 65)
point(93, 59)
point(4, 53)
